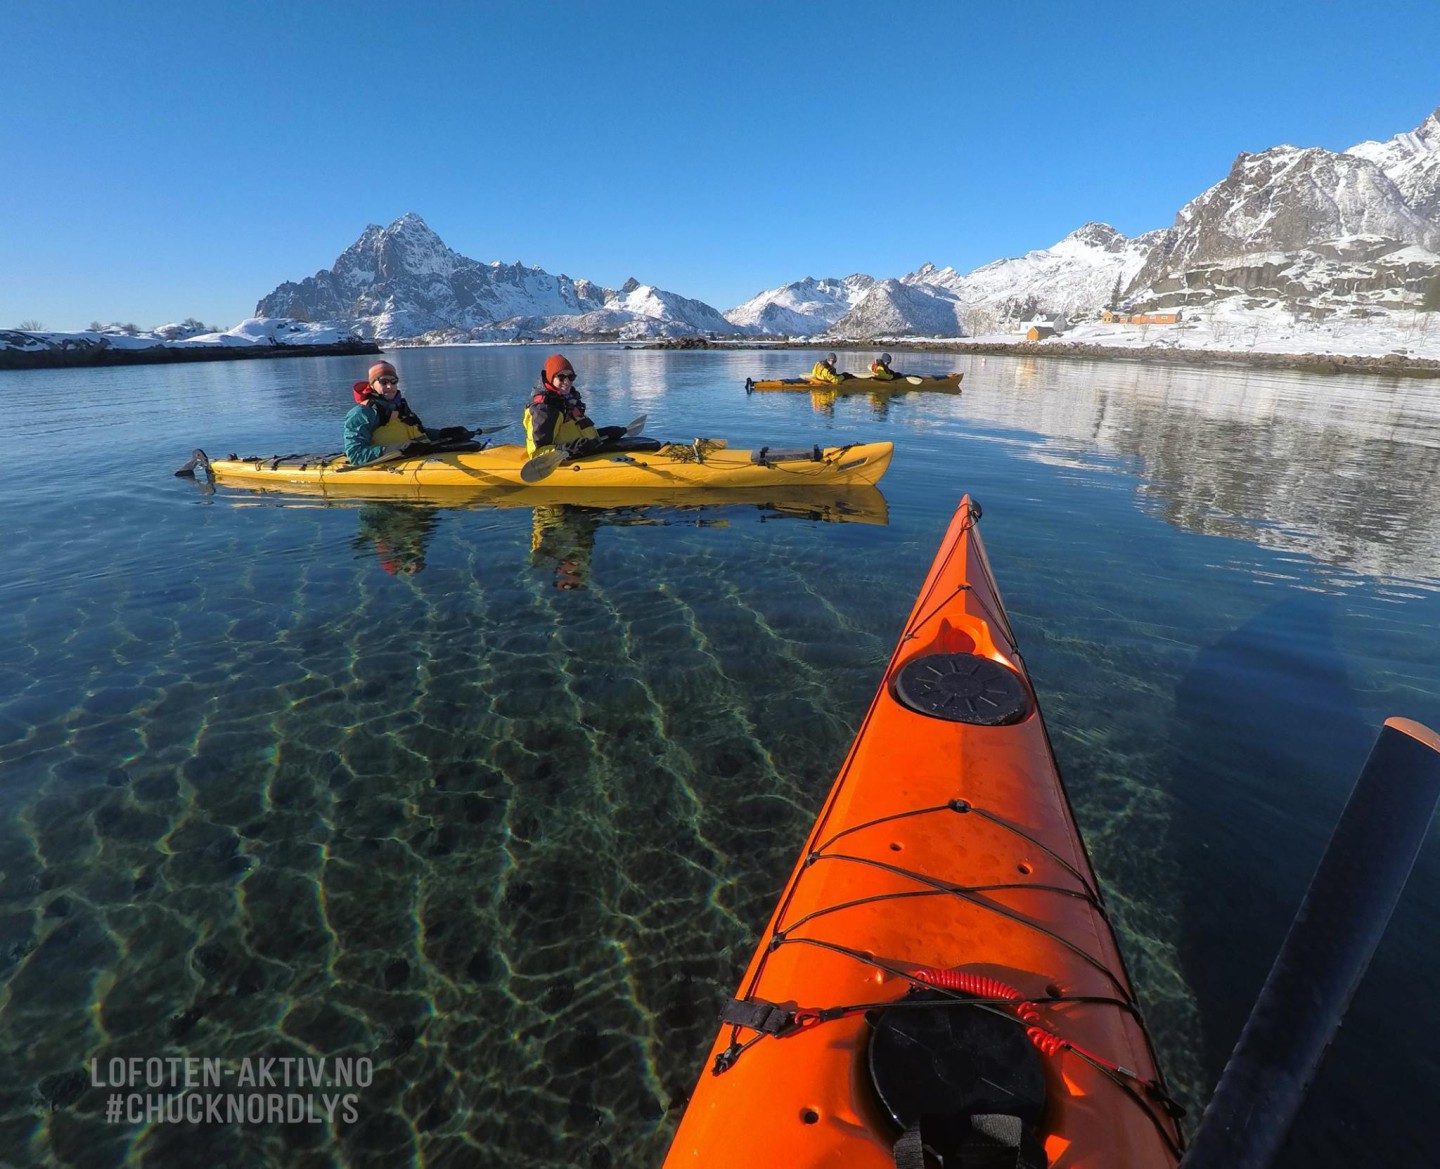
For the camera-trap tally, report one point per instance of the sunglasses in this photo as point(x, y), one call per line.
point(563, 377)
point(388, 381)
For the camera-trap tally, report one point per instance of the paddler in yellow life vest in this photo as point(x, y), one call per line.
point(555, 416)
point(880, 369)
point(826, 372)
point(381, 421)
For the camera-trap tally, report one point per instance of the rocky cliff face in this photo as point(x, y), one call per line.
point(1285, 200)
point(1412, 162)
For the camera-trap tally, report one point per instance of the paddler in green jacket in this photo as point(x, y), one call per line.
point(381, 421)
point(826, 372)
point(555, 416)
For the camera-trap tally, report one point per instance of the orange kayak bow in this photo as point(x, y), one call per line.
point(939, 983)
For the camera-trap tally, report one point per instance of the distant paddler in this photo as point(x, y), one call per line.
point(826, 372)
point(880, 369)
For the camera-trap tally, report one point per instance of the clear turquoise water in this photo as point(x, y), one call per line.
point(283, 777)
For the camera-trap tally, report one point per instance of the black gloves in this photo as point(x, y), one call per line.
point(612, 433)
point(417, 447)
point(580, 446)
point(452, 434)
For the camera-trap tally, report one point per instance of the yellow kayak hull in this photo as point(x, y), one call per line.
point(674, 467)
point(941, 383)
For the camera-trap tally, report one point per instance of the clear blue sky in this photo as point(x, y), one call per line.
point(164, 160)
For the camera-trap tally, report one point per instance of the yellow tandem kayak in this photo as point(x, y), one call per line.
point(947, 383)
point(703, 464)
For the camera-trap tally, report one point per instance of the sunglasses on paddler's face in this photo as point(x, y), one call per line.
point(563, 377)
point(388, 381)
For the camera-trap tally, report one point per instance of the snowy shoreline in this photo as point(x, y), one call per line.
point(256, 337)
point(1397, 364)
point(163, 355)
point(1392, 363)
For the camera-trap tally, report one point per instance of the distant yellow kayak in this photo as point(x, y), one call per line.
point(701, 465)
point(946, 383)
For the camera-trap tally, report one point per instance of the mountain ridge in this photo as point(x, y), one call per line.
point(1301, 229)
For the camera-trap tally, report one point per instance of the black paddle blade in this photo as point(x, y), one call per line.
point(199, 460)
point(1324, 956)
point(541, 466)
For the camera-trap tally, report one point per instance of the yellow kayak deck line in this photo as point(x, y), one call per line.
point(674, 466)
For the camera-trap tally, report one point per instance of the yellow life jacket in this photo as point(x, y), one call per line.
point(822, 373)
point(566, 430)
point(394, 431)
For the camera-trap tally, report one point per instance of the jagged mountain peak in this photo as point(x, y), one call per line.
point(1096, 235)
point(403, 281)
point(1411, 160)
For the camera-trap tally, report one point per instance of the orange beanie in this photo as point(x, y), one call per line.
point(379, 369)
point(554, 364)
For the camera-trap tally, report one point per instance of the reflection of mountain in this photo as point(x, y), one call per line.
point(1343, 470)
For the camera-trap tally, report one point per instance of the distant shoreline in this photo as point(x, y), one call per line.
point(94, 355)
point(1325, 363)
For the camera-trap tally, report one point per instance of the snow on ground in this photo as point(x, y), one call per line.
point(1231, 329)
point(272, 331)
point(257, 331)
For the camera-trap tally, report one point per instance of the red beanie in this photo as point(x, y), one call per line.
point(554, 364)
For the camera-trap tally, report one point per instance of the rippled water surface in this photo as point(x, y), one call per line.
point(499, 797)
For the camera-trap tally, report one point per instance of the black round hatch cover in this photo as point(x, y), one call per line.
point(963, 688)
point(940, 1065)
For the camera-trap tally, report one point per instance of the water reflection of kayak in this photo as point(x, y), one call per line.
point(841, 503)
point(947, 383)
point(939, 972)
point(643, 465)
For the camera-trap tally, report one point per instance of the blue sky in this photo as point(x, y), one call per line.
point(164, 160)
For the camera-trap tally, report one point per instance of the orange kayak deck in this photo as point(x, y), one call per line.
point(942, 926)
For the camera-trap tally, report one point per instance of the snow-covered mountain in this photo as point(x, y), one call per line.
point(893, 308)
point(1308, 232)
point(402, 281)
point(802, 307)
point(1301, 231)
point(1412, 162)
point(1285, 199)
point(1078, 275)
